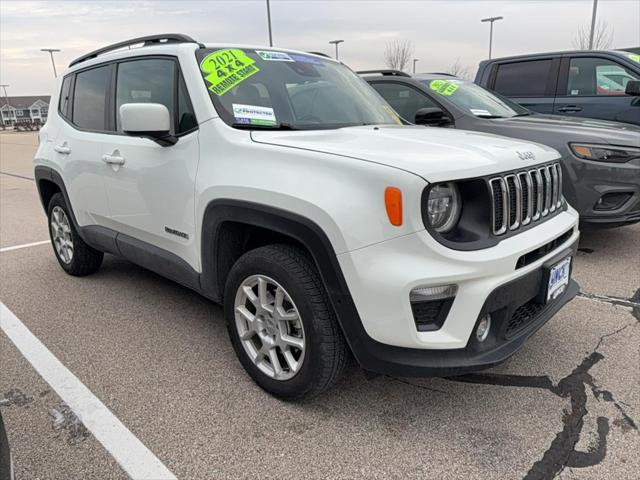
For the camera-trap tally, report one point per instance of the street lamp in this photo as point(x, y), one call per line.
point(593, 23)
point(414, 64)
point(51, 50)
point(336, 43)
point(491, 20)
point(269, 23)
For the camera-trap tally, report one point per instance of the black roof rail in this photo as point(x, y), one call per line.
point(443, 73)
point(394, 73)
point(148, 40)
point(321, 54)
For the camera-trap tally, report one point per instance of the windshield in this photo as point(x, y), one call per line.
point(475, 99)
point(273, 89)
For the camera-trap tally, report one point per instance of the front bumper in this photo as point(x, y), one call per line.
point(385, 339)
point(586, 183)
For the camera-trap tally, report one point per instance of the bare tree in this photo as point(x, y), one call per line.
point(459, 70)
point(602, 36)
point(397, 54)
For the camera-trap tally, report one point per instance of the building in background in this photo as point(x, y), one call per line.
point(24, 110)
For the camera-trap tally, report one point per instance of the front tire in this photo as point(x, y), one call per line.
point(281, 323)
point(73, 254)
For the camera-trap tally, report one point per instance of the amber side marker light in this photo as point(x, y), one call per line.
point(584, 151)
point(393, 204)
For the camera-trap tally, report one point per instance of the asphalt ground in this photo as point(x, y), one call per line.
point(158, 357)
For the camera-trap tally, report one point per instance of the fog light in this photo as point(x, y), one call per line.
point(422, 294)
point(482, 332)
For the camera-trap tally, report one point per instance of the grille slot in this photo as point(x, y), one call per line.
point(524, 197)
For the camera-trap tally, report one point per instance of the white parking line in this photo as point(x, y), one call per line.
point(24, 245)
point(136, 459)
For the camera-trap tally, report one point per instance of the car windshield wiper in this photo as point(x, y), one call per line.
point(280, 126)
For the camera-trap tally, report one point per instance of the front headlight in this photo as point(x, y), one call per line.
point(605, 153)
point(443, 207)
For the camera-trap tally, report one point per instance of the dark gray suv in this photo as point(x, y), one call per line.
point(600, 159)
point(584, 83)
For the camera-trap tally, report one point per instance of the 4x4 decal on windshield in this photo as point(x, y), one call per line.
point(227, 68)
point(443, 87)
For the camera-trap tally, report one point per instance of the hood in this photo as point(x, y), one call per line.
point(576, 128)
point(435, 154)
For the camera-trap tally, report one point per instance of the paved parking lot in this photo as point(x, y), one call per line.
point(157, 356)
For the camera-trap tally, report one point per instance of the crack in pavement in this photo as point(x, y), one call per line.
point(633, 302)
point(17, 176)
point(562, 450)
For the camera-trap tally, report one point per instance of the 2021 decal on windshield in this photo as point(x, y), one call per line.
point(227, 68)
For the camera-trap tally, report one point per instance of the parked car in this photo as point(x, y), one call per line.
point(6, 465)
point(600, 159)
point(281, 185)
point(576, 83)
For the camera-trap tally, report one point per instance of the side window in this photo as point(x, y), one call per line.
point(406, 101)
point(65, 92)
point(590, 76)
point(90, 98)
point(523, 79)
point(146, 81)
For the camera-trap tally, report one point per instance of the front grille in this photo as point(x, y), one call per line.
point(524, 197)
point(523, 315)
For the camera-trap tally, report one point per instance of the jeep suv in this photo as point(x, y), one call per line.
point(279, 184)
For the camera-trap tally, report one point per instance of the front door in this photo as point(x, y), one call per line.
point(150, 188)
point(594, 87)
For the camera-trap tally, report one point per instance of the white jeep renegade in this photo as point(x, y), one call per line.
point(280, 184)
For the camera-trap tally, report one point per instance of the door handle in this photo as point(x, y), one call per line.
point(114, 159)
point(64, 149)
point(570, 108)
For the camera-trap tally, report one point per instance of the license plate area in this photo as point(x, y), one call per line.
point(557, 276)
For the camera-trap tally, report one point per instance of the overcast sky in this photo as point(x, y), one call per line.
point(441, 31)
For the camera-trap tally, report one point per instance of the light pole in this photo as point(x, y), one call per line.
point(593, 23)
point(414, 64)
point(269, 23)
point(491, 20)
point(51, 50)
point(336, 43)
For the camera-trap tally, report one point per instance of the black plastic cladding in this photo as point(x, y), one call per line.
point(474, 229)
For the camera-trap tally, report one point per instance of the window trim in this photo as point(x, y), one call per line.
point(551, 82)
point(563, 78)
point(111, 94)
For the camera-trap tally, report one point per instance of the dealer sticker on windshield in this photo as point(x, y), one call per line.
point(227, 68)
point(274, 56)
point(443, 87)
point(253, 115)
point(558, 278)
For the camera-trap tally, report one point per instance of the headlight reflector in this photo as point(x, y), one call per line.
point(605, 153)
point(443, 207)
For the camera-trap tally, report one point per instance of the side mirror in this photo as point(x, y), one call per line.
point(151, 120)
point(633, 88)
point(433, 116)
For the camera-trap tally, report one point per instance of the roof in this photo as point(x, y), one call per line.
point(545, 54)
point(24, 102)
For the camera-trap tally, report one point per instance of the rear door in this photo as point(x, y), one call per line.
point(84, 102)
point(151, 189)
point(531, 83)
point(593, 86)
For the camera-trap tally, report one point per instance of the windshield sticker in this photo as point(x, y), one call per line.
point(306, 59)
point(274, 56)
point(227, 68)
point(254, 115)
point(634, 57)
point(480, 113)
point(443, 87)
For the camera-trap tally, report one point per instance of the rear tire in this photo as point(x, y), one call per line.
point(73, 254)
point(309, 349)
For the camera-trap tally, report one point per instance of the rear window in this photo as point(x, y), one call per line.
point(65, 97)
point(523, 79)
point(90, 98)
